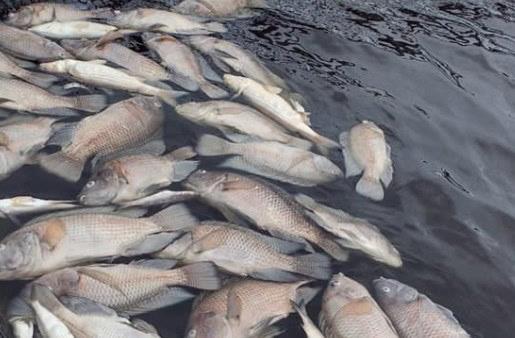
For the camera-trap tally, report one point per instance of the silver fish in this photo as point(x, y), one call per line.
point(9, 67)
point(220, 8)
point(21, 205)
point(72, 30)
point(159, 198)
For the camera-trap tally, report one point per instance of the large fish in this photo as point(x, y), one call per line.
point(8, 67)
point(414, 314)
point(73, 30)
point(353, 233)
point(180, 60)
point(349, 311)
point(264, 204)
point(21, 205)
point(55, 242)
point(365, 150)
point(23, 96)
point(246, 253)
point(219, 8)
point(126, 124)
point(273, 160)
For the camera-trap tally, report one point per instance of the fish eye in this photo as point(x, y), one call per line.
point(90, 184)
point(82, 198)
point(334, 283)
point(386, 289)
point(203, 171)
point(192, 333)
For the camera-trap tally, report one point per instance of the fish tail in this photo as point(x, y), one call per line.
point(175, 218)
point(370, 187)
point(318, 139)
point(39, 79)
point(209, 145)
point(214, 92)
point(181, 154)
point(170, 96)
point(62, 165)
point(331, 247)
point(203, 275)
point(313, 265)
point(183, 169)
point(215, 27)
point(90, 103)
point(44, 296)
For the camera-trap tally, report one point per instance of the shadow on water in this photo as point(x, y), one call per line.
point(438, 78)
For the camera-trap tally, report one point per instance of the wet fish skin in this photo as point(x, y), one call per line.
point(365, 150)
point(9, 67)
point(414, 314)
point(160, 198)
point(21, 205)
point(349, 311)
point(72, 30)
point(218, 8)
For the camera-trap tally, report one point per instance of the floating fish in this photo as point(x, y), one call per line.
point(21, 205)
point(72, 30)
point(220, 8)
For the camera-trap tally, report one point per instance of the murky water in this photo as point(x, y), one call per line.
point(439, 78)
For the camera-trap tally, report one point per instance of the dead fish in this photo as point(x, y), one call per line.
point(99, 74)
point(238, 122)
point(57, 242)
point(144, 19)
point(73, 30)
point(365, 150)
point(273, 160)
point(414, 314)
point(353, 233)
point(311, 330)
point(245, 252)
point(21, 205)
point(127, 178)
point(268, 101)
point(30, 46)
point(88, 320)
point(264, 204)
point(181, 61)
point(39, 13)
point(349, 311)
point(162, 197)
point(9, 67)
point(220, 8)
point(22, 96)
point(127, 124)
point(246, 308)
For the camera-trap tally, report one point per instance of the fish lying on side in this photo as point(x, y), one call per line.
point(23, 96)
point(414, 314)
point(353, 233)
point(349, 311)
point(73, 30)
point(365, 150)
point(8, 67)
point(126, 124)
point(21, 205)
point(181, 61)
point(161, 198)
point(246, 253)
point(273, 160)
point(238, 196)
point(220, 8)
point(310, 328)
point(246, 308)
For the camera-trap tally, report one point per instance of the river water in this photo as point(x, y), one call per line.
point(438, 77)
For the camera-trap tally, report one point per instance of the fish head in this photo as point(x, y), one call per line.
point(193, 110)
point(21, 18)
point(18, 252)
point(62, 282)
point(147, 103)
point(390, 291)
point(206, 182)
point(101, 189)
point(209, 325)
point(343, 288)
point(76, 47)
point(54, 67)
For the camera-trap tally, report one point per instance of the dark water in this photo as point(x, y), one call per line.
point(439, 78)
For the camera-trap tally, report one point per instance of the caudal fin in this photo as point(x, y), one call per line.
point(183, 169)
point(313, 265)
point(202, 276)
point(39, 79)
point(90, 103)
point(209, 145)
point(370, 187)
point(181, 154)
point(214, 92)
point(332, 248)
point(62, 165)
point(176, 217)
point(170, 96)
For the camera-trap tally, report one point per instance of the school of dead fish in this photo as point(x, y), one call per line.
point(255, 269)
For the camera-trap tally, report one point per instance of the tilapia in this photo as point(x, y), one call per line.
point(268, 101)
point(9, 67)
point(181, 61)
point(30, 46)
point(39, 13)
point(310, 328)
point(126, 124)
point(246, 308)
point(73, 30)
point(267, 206)
point(365, 150)
point(349, 311)
point(97, 73)
point(144, 19)
point(220, 8)
point(128, 178)
point(414, 314)
point(353, 233)
point(22, 96)
point(238, 122)
point(245, 252)
point(53, 243)
point(273, 160)
point(87, 320)
point(21, 205)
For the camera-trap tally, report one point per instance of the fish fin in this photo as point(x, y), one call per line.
point(210, 145)
point(183, 169)
point(221, 64)
point(236, 137)
point(370, 187)
point(157, 27)
point(57, 111)
point(102, 277)
point(181, 154)
point(351, 167)
point(40, 79)
point(445, 311)
point(207, 71)
point(46, 298)
point(151, 243)
point(334, 249)
point(181, 80)
point(387, 174)
point(305, 294)
point(62, 165)
point(214, 92)
point(275, 274)
point(108, 38)
point(237, 184)
point(233, 216)
point(279, 245)
point(90, 103)
point(234, 306)
point(203, 275)
point(215, 27)
point(63, 134)
point(264, 330)
point(306, 201)
point(261, 4)
point(170, 96)
point(161, 197)
point(176, 217)
point(22, 63)
point(309, 327)
point(161, 264)
point(85, 306)
point(164, 298)
point(299, 143)
point(289, 237)
point(314, 265)
point(143, 326)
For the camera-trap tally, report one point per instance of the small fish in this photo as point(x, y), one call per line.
point(353, 233)
point(21, 205)
point(162, 197)
point(246, 308)
point(414, 314)
point(244, 252)
point(181, 61)
point(9, 67)
point(127, 178)
point(53, 242)
point(265, 205)
point(144, 19)
point(127, 124)
point(273, 160)
point(268, 101)
point(365, 150)
point(30, 46)
point(97, 73)
point(40, 13)
point(219, 8)
point(349, 311)
point(73, 30)
point(311, 330)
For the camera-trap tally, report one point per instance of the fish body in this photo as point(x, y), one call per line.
point(218, 8)
point(72, 30)
point(21, 205)
point(365, 150)
point(265, 205)
point(9, 67)
point(349, 311)
point(414, 314)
